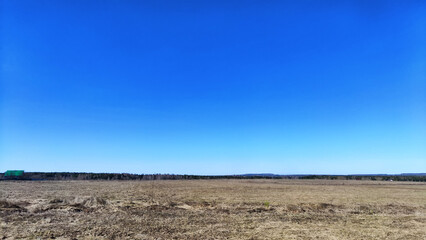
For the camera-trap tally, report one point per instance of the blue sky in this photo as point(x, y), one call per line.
point(213, 87)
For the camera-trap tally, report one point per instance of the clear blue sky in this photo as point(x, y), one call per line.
point(213, 87)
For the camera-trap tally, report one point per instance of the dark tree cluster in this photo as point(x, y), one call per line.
point(127, 176)
point(117, 176)
point(413, 178)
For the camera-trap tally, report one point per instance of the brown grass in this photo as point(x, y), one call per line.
point(213, 209)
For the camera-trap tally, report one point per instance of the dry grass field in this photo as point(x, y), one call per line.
point(212, 209)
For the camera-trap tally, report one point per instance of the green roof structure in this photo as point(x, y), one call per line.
point(14, 173)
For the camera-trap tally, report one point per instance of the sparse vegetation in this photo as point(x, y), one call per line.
point(266, 204)
point(213, 209)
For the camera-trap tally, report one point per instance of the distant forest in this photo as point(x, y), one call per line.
point(126, 176)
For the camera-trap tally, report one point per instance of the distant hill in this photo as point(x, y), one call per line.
point(413, 174)
point(261, 175)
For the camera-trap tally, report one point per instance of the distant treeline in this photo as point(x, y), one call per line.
point(127, 176)
point(116, 176)
point(413, 178)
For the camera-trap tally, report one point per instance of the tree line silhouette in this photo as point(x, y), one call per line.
point(128, 176)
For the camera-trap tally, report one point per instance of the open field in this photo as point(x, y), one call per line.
point(212, 209)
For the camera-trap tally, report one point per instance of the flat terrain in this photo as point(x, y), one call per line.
point(213, 209)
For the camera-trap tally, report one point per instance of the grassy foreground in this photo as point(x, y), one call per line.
point(212, 209)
